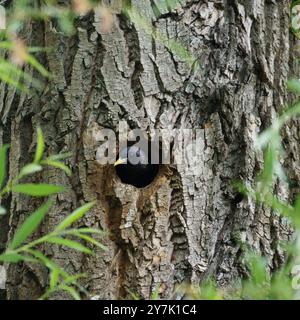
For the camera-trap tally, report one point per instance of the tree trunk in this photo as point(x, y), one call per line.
point(177, 230)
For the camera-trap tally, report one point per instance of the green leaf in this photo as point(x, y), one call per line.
point(47, 262)
point(263, 139)
point(155, 293)
point(269, 162)
point(91, 240)
point(279, 171)
point(37, 190)
point(66, 22)
point(297, 205)
point(6, 45)
point(208, 291)
point(257, 266)
point(295, 215)
point(71, 291)
point(3, 160)
point(133, 295)
point(74, 216)
point(73, 279)
point(30, 169)
point(293, 85)
point(29, 225)
point(39, 67)
point(14, 257)
point(78, 231)
point(57, 164)
point(54, 277)
point(60, 156)
point(16, 77)
point(40, 148)
point(70, 244)
point(92, 230)
point(2, 211)
point(11, 76)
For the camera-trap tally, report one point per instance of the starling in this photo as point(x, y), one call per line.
point(134, 167)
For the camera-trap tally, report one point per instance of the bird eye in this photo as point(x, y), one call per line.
point(135, 156)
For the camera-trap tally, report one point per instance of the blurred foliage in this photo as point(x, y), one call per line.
point(19, 248)
point(295, 17)
point(260, 283)
point(12, 65)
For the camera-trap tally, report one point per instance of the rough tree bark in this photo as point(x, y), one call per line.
point(176, 230)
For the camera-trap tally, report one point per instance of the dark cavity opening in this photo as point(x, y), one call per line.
point(141, 171)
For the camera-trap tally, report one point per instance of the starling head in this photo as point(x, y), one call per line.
point(134, 167)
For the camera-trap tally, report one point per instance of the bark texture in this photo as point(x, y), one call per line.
point(178, 229)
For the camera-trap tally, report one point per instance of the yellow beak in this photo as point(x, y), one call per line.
point(120, 161)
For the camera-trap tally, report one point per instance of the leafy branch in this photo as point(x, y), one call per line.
point(12, 69)
point(19, 249)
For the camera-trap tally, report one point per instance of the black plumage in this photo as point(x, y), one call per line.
point(138, 170)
